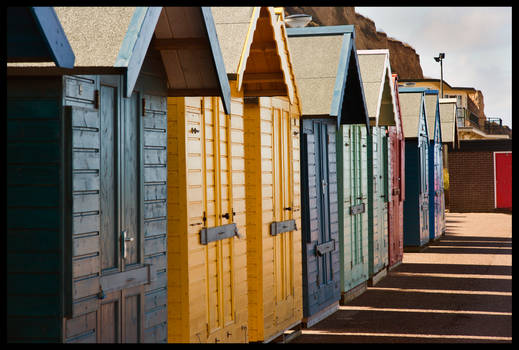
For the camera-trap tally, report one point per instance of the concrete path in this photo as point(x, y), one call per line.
point(459, 289)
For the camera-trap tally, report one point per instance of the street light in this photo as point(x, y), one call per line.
point(440, 58)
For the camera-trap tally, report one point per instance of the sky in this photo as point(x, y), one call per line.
point(477, 42)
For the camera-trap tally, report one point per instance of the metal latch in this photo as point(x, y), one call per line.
point(124, 239)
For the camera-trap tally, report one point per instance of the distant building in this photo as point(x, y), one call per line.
point(470, 119)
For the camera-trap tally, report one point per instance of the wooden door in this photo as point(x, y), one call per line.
point(282, 182)
point(324, 268)
point(423, 201)
point(503, 179)
point(355, 205)
point(217, 211)
point(376, 201)
point(320, 193)
point(395, 243)
point(438, 174)
point(123, 274)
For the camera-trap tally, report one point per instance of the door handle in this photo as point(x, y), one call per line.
point(124, 239)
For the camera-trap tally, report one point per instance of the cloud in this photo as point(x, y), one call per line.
point(477, 43)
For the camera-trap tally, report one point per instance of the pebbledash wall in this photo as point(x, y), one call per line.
point(471, 175)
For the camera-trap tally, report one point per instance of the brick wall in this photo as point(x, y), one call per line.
point(471, 177)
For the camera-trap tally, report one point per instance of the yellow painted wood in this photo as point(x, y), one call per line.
point(272, 183)
point(207, 284)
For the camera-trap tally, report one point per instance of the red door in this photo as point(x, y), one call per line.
point(503, 179)
point(395, 219)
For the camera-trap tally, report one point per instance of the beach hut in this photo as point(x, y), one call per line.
point(450, 139)
point(86, 162)
point(234, 234)
point(436, 193)
point(382, 110)
point(416, 204)
point(334, 113)
point(396, 204)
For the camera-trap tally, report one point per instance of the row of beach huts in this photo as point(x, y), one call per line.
point(192, 174)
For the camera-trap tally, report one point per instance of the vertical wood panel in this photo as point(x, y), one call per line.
point(108, 154)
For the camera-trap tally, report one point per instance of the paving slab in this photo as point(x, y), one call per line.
point(458, 290)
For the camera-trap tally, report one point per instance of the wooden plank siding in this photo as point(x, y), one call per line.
point(353, 191)
point(155, 215)
point(33, 210)
point(82, 166)
point(207, 283)
point(321, 275)
point(273, 181)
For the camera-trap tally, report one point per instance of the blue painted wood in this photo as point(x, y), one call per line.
point(135, 44)
point(35, 34)
point(53, 179)
point(341, 78)
point(416, 204)
point(348, 103)
point(436, 210)
point(321, 272)
point(219, 65)
point(56, 39)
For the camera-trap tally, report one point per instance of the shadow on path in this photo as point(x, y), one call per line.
point(430, 302)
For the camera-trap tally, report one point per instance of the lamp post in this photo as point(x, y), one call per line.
point(440, 58)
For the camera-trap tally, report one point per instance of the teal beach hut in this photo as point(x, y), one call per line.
point(416, 203)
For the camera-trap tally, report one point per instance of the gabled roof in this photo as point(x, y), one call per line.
point(190, 50)
point(448, 119)
point(432, 109)
point(327, 73)
point(412, 110)
point(255, 51)
point(116, 39)
point(400, 128)
point(35, 34)
point(378, 86)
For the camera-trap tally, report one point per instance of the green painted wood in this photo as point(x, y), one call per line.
point(352, 191)
point(33, 218)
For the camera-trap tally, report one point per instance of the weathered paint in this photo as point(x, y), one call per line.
point(95, 138)
point(100, 159)
point(207, 283)
point(396, 150)
point(320, 226)
point(352, 179)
